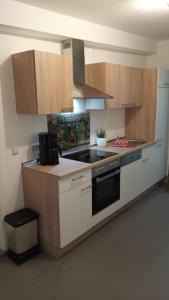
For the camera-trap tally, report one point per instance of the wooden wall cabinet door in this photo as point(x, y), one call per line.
point(43, 82)
point(124, 83)
point(136, 88)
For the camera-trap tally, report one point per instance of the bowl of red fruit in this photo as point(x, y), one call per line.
point(120, 143)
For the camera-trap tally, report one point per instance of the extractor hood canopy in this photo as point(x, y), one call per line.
point(75, 48)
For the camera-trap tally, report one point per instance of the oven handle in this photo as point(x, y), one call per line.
point(107, 176)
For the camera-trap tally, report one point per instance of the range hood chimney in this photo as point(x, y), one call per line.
point(75, 48)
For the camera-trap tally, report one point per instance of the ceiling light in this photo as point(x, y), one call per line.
point(152, 4)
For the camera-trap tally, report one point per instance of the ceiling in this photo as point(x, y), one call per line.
point(134, 16)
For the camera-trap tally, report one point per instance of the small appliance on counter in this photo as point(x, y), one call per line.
point(22, 231)
point(48, 148)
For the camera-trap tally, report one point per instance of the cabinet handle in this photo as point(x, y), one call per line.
point(145, 159)
point(86, 188)
point(128, 104)
point(68, 109)
point(125, 105)
point(166, 83)
point(77, 178)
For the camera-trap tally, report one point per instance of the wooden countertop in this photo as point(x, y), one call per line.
point(68, 167)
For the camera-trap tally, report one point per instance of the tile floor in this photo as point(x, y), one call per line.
point(127, 259)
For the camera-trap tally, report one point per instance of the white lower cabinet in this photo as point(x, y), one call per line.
point(75, 197)
point(154, 164)
point(148, 168)
point(75, 212)
point(140, 175)
point(130, 182)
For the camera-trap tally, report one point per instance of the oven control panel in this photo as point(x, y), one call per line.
point(105, 167)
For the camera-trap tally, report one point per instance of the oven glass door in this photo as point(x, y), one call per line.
point(106, 190)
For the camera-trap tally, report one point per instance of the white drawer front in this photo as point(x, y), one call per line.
point(74, 181)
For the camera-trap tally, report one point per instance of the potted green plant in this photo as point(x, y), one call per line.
point(101, 137)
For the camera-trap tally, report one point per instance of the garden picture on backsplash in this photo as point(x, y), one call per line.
point(72, 129)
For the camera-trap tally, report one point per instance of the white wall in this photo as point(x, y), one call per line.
point(161, 59)
point(23, 16)
point(113, 121)
point(15, 130)
point(94, 55)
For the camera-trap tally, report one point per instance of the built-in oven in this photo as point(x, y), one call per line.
point(105, 185)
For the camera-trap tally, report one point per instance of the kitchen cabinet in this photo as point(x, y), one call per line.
point(148, 168)
point(43, 82)
point(130, 185)
point(153, 165)
point(140, 123)
point(151, 121)
point(140, 175)
point(124, 83)
point(64, 205)
point(75, 211)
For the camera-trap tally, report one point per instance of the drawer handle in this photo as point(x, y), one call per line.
point(77, 178)
point(125, 105)
point(86, 188)
point(129, 104)
point(146, 159)
point(166, 83)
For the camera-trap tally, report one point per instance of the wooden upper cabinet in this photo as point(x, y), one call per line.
point(43, 82)
point(124, 83)
point(140, 123)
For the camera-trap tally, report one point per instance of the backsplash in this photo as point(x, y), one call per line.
point(72, 129)
point(76, 131)
point(112, 120)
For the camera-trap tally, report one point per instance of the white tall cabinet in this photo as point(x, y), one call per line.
point(162, 123)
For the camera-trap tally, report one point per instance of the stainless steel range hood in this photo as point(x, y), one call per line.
point(75, 48)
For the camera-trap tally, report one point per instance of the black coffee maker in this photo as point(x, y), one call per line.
point(48, 149)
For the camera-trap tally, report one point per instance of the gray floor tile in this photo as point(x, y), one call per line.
point(128, 259)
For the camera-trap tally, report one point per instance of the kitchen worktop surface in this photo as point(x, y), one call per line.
point(69, 167)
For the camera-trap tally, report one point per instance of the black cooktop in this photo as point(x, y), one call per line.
point(89, 155)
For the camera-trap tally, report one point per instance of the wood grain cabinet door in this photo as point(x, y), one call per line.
point(124, 83)
point(49, 80)
point(25, 82)
point(53, 81)
point(130, 86)
point(43, 82)
point(113, 85)
point(136, 86)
